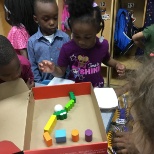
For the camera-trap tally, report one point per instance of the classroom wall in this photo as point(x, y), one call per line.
point(4, 26)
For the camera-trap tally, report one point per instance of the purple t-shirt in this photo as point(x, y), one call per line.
point(85, 64)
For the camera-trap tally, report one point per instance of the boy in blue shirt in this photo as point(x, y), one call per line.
point(47, 42)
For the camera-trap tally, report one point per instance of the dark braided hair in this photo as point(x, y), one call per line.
point(22, 13)
point(83, 11)
point(7, 52)
point(43, 1)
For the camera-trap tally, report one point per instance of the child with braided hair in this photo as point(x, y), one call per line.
point(85, 52)
point(19, 14)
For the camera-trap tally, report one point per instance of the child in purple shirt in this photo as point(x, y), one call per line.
point(13, 66)
point(84, 53)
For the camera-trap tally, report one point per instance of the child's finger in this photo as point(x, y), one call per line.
point(42, 69)
point(28, 81)
point(121, 72)
point(121, 68)
point(46, 62)
point(40, 64)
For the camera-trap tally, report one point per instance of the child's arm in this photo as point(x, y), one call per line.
point(30, 82)
point(117, 65)
point(122, 89)
point(49, 67)
point(23, 52)
point(137, 38)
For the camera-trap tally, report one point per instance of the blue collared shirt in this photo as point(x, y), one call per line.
point(40, 49)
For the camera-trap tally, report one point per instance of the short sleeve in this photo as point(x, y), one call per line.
point(63, 60)
point(147, 32)
point(18, 38)
point(105, 51)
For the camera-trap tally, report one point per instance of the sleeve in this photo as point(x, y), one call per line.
point(34, 65)
point(30, 74)
point(105, 51)
point(63, 60)
point(20, 39)
point(147, 32)
point(67, 38)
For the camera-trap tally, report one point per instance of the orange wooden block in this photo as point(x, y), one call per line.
point(75, 135)
point(47, 139)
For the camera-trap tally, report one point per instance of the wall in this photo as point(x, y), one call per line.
point(4, 26)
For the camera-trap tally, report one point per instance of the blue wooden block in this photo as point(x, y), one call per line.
point(60, 135)
point(61, 140)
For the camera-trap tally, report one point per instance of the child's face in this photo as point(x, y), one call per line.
point(11, 71)
point(47, 17)
point(84, 34)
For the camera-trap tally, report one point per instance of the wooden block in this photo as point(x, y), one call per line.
point(61, 115)
point(75, 135)
point(72, 96)
point(88, 135)
point(50, 124)
point(71, 102)
point(47, 138)
point(60, 135)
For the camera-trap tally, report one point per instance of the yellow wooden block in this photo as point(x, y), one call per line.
point(50, 124)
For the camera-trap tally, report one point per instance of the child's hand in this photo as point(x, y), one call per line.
point(120, 69)
point(46, 66)
point(30, 83)
point(123, 143)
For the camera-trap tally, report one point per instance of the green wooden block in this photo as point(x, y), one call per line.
point(63, 114)
point(72, 96)
point(66, 108)
point(72, 102)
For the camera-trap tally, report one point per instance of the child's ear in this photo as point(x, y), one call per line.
point(8, 16)
point(35, 19)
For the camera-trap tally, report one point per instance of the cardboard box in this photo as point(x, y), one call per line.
point(24, 113)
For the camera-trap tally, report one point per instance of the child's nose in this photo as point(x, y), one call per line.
point(51, 22)
point(81, 42)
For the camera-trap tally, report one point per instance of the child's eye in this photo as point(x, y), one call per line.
point(55, 18)
point(87, 38)
point(77, 37)
point(45, 19)
point(6, 75)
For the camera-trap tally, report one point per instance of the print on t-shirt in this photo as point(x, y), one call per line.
point(82, 66)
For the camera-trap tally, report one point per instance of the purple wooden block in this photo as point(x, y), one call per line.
point(88, 135)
